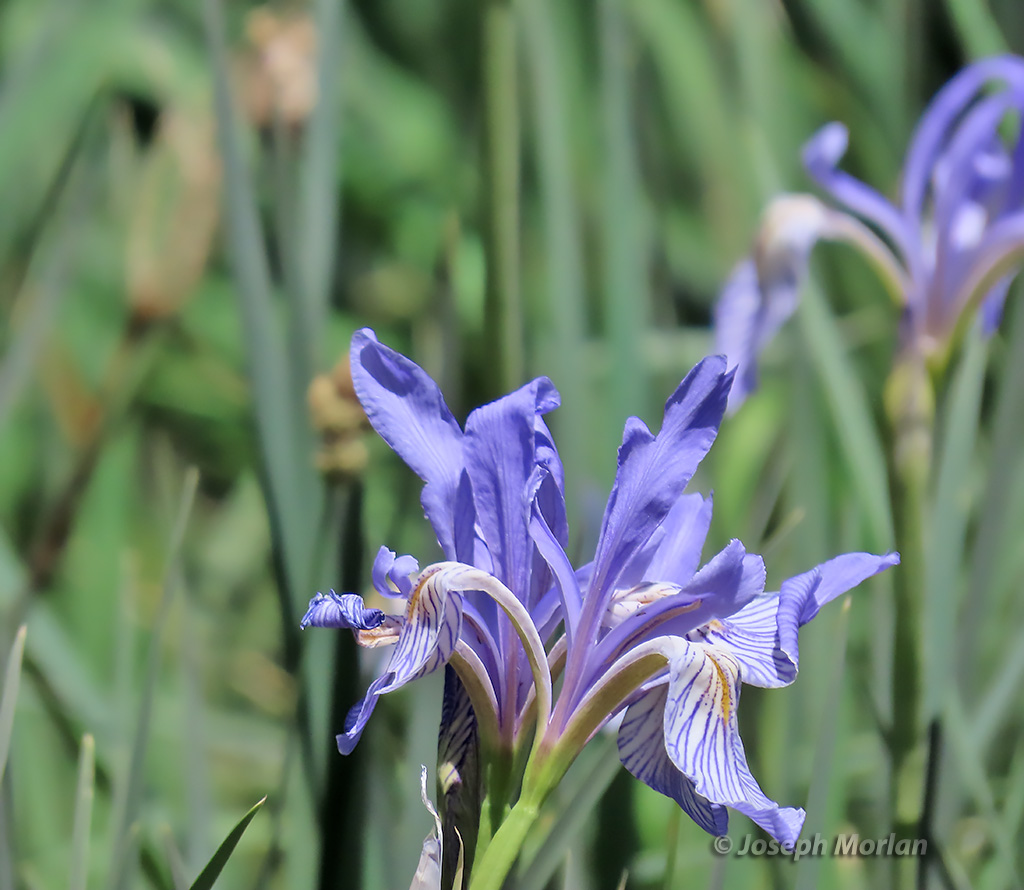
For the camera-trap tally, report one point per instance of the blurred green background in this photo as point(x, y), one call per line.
point(200, 202)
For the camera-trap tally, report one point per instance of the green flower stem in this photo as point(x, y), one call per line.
point(499, 787)
point(503, 307)
point(491, 869)
point(551, 759)
point(910, 406)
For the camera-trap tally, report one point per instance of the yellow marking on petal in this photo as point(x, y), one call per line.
point(715, 626)
point(421, 582)
point(726, 693)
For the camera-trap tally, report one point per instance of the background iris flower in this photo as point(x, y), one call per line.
point(950, 246)
point(642, 626)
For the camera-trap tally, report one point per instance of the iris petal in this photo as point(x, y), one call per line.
point(680, 540)
point(407, 409)
point(396, 569)
point(727, 583)
point(702, 738)
point(500, 454)
point(942, 113)
point(751, 637)
point(652, 473)
point(428, 638)
point(341, 610)
point(821, 156)
point(762, 636)
point(642, 751)
point(802, 596)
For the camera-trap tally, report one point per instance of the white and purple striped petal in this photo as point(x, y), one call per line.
point(803, 595)
point(433, 620)
point(724, 586)
point(341, 610)
point(642, 751)
point(762, 636)
point(702, 738)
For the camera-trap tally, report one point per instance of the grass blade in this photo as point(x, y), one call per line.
point(194, 747)
point(175, 861)
point(563, 257)
point(503, 306)
point(623, 243)
point(318, 210)
point(276, 411)
point(993, 533)
point(83, 814)
point(9, 696)
point(977, 781)
point(998, 703)
point(125, 839)
point(977, 27)
point(851, 414)
point(949, 515)
point(823, 780)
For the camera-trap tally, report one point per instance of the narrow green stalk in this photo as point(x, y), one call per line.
point(910, 406)
point(83, 814)
point(623, 246)
point(672, 846)
point(976, 27)
point(503, 307)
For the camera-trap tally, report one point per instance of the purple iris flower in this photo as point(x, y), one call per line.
point(950, 246)
point(643, 628)
point(479, 486)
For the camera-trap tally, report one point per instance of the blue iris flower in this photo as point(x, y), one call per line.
point(643, 629)
point(947, 250)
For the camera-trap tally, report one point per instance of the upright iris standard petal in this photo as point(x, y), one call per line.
point(821, 157)
point(652, 473)
point(680, 540)
point(408, 411)
point(941, 116)
point(553, 552)
point(501, 455)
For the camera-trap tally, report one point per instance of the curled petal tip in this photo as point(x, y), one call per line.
point(826, 147)
point(344, 610)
